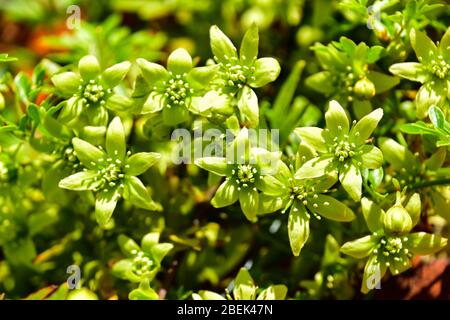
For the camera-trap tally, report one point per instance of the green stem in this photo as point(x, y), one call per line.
point(429, 183)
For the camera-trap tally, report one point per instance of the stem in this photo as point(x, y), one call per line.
point(429, 183)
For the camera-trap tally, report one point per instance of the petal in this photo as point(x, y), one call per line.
point(154, 103)
point(298, 227)
point(160, 250)
point(128, 246)
point(179, 61)
point(373, 273)
point(373, 215)
point(216, 165)
point(413, 71)
point(115, 140)
point(244, 287)
point(320, 82)
point(271, 186)
point(87, 153)
point(414, 207)
point(174, 115)
point(141, 162)
point(422, 243)
point(249, 200)
point(89, 67)
point(365, 127)
point(221, 46)
point(266, 70)
point(361, 247)
point(152, 72)
point(429, 94)
point(200, 77)
point(119, 103)
point(444, 45)
point(314, 137)
point(249, 46)
point(330, 208)
point(423, 46)
point(398, 156)
point(248, 107)
point(114, 74)
point(336, 119)
point(226, 195)
point(372, 157)
point(105, 203)
point(67, 82)
point(79, 181)
point(351, 180)
point(269, 204)
point(398, 267)
point(137, 194)
point(315, 168)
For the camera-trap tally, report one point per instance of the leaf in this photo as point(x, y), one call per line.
point(437, 117)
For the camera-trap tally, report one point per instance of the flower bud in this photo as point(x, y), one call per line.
point(364, 89)
point(397, 220)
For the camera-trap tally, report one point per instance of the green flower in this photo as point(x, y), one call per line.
point(141, 264)
point(111, 173)
point(245, 289)
point(343, 150)
point(250, 171)
point(238, 74)
point(346, 76)
point(172, 89)
point(91, 92)
point(391, 245)
point(432, 70)
point(304, 197)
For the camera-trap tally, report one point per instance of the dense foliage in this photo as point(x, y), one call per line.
point(236, 149)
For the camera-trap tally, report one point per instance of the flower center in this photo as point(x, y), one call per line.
point(109, 174)
point(235, 74)
point(92, 92)
point(440, 67)
point(177, 90)
point(393, 250)
point(343, 150)
point(245, 174)
point(142, 264)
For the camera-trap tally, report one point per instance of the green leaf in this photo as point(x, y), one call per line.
point(116, 73)
point(373, 215)
point(361, 247)
point(314, 137)
point(351, 180)
point(417, 128)
point(437, 117)
point(320, 82)
point(87, 153)
point(244, 287)
point(115, 140)
point(330, 208)
point(141, 162)
point(398, 156)
point(423, 243)
point(89, 67)
point(179, 62)
point(249, 46)
point(216, 165)
point(226, 195)
point(381, 81)
point(298, 227)
point(221, 46)
point(266, 70)
point(249, 200)
point(105, 203)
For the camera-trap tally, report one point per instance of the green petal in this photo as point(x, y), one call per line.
point(150, 240)
point(179, 61)
point(79, 181)
point(87, 153)
point(248, 107)
point(298, 227)
point(413, 71)
point(244, 287)
point(249, 46)
point(269, 204)
point(320, 82)
point(373, 273)
point(119, 103)
point(423, 46)
point(372, 157)
point(429, 94)
point(154, 103)
point(89, 67)
point(115, 140)
point(114, 74)
point(271, 186)
point(174, 115)
point(351, 180)
point(414, 207)
point(361, 247)
point(105, 203)
point(215, 165)
point(152, 72)
point(314, 137)
point(330, 208)
point(444, 45)
point(137, 194)
point(266, 70)
point(398, 267)
point(160, 250)
point(226, 195)
point(128, 246)
point(398, 156)
point(381, 81)
point(373, 215)
point(200, 77)
point(365, 127)
point(274, 292)
point(249, 200)
point(123, 270)
point(67, 82)
point(141, 162)
point(221, 46)
point(422, 243)
point(315, 168)
point(336, 119)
